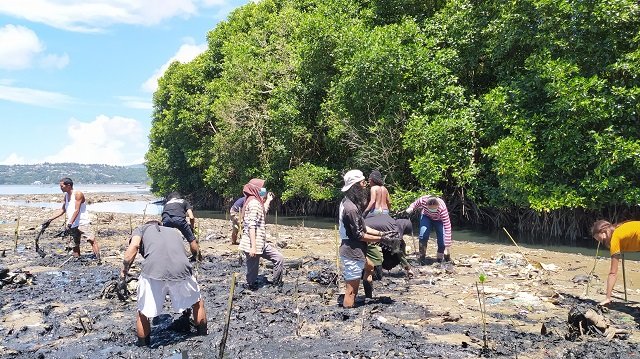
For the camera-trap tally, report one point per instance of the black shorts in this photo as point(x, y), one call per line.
point(181, 224)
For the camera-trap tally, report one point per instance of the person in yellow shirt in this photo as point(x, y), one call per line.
point(619, 238)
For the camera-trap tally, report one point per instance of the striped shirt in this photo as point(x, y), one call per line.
point(254, 217)
point(441, 215)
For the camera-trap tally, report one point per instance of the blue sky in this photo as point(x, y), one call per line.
point(77, 76)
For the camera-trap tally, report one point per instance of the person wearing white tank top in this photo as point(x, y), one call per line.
point(77, 218)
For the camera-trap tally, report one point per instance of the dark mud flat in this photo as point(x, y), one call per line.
point(67, 310)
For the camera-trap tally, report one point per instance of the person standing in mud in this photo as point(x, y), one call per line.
point(236, 218)
point(379, 199)
point(77, 222)
point(254, 235)
point(619, 238)
point(165, 270)
point(354, 236)
point(388, 260)
point(175, 213)
point(433, 215)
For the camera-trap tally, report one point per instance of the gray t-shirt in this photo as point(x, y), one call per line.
point(164, 255)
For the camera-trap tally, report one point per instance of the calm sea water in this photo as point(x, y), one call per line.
point(87, 188)
point(132, 207)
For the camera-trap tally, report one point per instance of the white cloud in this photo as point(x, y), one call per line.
point(136, 102)
point(13, 159)
point(187, 52)
point(96, 15)
point(33, 97)
point(109, 140)
point(20, 48)
point(54, 61)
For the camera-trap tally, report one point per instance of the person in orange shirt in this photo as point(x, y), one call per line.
point(619, 238)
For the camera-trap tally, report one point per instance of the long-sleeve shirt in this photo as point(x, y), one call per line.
point(254, 218)
point(442, 214)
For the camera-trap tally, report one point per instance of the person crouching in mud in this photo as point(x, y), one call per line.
point(619, 238)
point(354, 234)
point(165, 269)
point(254, 234)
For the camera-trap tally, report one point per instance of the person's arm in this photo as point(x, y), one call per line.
point(59, 212)
point(130, 254)
point(416, 203)
point(446, 223)
point(79, 199)
point(192, 218)
point(267, 202)
point(611, 279)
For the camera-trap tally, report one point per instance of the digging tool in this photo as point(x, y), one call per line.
point(624, 278)
point(225, 332)
point(43, 227)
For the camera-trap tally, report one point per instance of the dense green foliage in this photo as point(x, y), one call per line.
point(51, 173)
point(503, 107)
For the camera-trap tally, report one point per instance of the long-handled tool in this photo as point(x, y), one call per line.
point(42, 229)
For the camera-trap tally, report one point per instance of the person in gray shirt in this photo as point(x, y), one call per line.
point(165, 269)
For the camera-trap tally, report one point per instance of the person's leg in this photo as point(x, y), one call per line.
point(143, 330)
point(350, 292)
point(367, 277)
point(423, 236)
point(235, 227)
point(438, 226)
point(87, 232)
point(253, 264)
point(76, 237)
point(200, 317)
point(272, 254)
point(352, 271)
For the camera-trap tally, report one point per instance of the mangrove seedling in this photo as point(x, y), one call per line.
point(481, 301)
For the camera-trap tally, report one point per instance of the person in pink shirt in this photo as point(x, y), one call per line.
point(433, 215)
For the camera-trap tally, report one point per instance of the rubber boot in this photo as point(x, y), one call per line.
point(422, 248)
point(440, 257)
point(368, 289)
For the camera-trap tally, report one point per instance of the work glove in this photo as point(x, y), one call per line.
point(409, 210)
point(391, 241)
point(122, 290)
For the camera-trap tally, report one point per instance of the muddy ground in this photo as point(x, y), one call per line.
point(57, 307)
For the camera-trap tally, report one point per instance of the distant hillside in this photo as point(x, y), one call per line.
point(81, 173)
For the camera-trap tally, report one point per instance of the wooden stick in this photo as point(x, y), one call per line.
point(624, 278)
point(225, 332)
point(297, 310)
point(595, 261)
point(518, 247)
point(17, 232)
point(337, 256)
point(130, 226)
point(276, 226)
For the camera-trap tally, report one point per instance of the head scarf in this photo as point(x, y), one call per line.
point(252, 190)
